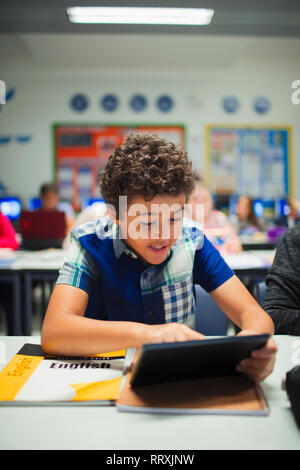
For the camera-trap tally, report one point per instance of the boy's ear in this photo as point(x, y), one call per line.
point(112, 214)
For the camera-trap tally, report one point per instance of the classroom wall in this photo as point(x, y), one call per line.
point(42, 99)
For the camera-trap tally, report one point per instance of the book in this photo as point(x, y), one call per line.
point(230, 395)
point(32, 377)
point(193, 378)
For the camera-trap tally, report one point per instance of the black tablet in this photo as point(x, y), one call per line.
point(171, 362)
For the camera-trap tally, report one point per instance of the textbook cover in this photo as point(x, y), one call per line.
point(31, 377)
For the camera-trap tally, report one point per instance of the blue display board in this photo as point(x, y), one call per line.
point(250, 160)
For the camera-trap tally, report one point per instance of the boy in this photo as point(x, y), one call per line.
point(128, 278)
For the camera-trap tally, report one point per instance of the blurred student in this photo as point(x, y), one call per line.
point(282, 300)
point(246, 220)
point(50, 202)
point(294, 212)
point(8, 242)
point(89, 214)
point(217, 226)
point(289, 213)
point(8, 238)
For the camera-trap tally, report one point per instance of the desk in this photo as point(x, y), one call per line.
point(258, 241)
point(254, 263)
point(65, 427)
point(8, 275)
point(22, 270)
point(42, 266)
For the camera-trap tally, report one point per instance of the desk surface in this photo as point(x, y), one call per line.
point(52, 260)
point(59, 427)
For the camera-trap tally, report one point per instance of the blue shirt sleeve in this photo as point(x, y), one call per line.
point(210, 269)
point(79, 269)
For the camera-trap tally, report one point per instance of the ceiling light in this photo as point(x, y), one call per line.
point(140, 15)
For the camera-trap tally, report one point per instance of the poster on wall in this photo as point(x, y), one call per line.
point(249, 160)
point(80, 151)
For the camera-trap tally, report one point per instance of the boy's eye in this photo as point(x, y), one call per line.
point(172, 220)
point(147, 224)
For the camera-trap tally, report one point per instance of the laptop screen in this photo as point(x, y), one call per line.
point(42, 224)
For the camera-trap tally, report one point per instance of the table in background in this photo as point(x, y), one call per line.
point(89, 427)
point(254, 263)
point(7, 275)
point(43, 266)
point(25, 269)
point(258, 241)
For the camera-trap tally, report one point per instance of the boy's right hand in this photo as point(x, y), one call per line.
point(169, 333)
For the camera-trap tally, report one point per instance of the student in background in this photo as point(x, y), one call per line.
point(246, 220)
point(50, 202)
point(217, 226)
point(8, 238)
point(89, 214)
point(8, 242)
point(128, 278)
point(282, 300)
point(288, 213)
point(293, 216)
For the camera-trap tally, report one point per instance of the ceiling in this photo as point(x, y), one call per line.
point(36, 35)
point(279, 18)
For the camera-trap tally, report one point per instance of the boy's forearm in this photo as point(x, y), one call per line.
point(77, 335)
point(256, 319)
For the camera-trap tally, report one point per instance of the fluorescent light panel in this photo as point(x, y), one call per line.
point(140, 15)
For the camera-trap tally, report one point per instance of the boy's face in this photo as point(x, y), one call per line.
point(150, 228)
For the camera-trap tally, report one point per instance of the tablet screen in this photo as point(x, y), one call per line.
point(171, 362)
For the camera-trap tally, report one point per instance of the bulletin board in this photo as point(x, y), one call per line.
point(81, 150)
point(252, 160)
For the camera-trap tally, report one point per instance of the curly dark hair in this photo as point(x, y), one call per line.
point(145, 165)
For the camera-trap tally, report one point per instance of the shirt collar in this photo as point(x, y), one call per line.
point(120, 246)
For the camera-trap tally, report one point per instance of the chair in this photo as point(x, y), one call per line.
point(260, 292)
point(210, 320)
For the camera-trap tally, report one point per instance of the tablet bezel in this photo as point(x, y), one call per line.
point(170, 362)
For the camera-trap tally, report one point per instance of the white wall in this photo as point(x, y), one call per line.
point(42, 98)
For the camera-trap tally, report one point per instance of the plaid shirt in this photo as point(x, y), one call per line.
point(122, 287)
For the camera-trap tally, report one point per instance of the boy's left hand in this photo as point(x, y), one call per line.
point(262, 361)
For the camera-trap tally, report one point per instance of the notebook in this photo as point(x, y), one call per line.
point(42, 229)
point(232, 395)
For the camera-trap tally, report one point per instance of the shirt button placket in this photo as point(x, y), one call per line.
point(147, 307)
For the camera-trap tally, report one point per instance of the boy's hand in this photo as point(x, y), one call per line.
point(169, 333)
point(262, 361)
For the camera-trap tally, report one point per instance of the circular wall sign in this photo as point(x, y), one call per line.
point(138, 103)
point(79, 102)
point(230, 104)
point(109, 103)
point(261, 104)
point(165, 103)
